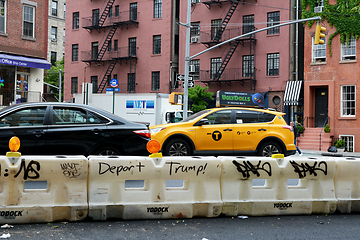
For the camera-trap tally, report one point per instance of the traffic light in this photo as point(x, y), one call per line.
point(176, 98)
point(319, 35)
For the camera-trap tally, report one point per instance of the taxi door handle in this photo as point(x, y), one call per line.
point(262, 129)
point(38, 133)
point(227, 129)
point(96, 131)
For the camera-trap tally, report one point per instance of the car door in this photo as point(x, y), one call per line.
point(250, 128)
point(73, 130)
point(218, 135)
point(28, 125)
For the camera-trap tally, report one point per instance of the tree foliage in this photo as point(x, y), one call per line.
point(198, 95)
point(52, 77)
point(344, 15)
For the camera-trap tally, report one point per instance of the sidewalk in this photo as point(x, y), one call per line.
point(330, 154)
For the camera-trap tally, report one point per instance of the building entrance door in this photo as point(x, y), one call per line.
point(321, 106)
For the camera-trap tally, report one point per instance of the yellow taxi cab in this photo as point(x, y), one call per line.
point(227, 131)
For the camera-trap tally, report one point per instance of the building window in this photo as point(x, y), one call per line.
point(349, 142)
point(348, 101)
point(76, 20)
point(157, 8)
point(348, 49)
point(64, 10)
point(53, 58)
point(28, 18)
point(248, 66)
point(75, 52)
point(248, 24)
point(196, 64)
point(116, 45)
point(95, 17)
point(94, 50)
point(64, 36)
point(117, 11)
point(215, 27)
point(54, 7)
point(74, 85)
point(157, 44)
point(94, 81)
point(109, 46)
point(2, 16)
point(215, 67)
point(273, 63)
point(273, 18)
point(132, 46)
point(318, 51)
point(131, 82)
point(195, 29)
point(133, 11)
point(53, 34)
point(155, 81)
point(111, 11)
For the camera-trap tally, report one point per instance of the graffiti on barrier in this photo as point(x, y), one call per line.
point(176, 167)
point(304, 168)
point(70, 170)
point(247, 167)
point(30, 170)
point(105, 167)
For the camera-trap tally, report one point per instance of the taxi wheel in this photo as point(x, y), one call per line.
point(107, 151)
point(269, 148)
point(177, 147)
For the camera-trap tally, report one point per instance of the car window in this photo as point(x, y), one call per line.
point(247, 116)
point(193, 116)
point(24, 117)
point(64, 115)
point(219, 117)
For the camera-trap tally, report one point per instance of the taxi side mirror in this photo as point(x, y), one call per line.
point(203, 121)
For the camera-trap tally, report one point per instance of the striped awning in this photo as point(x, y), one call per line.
point(292, 92)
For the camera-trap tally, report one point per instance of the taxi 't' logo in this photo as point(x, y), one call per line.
point(216, 135)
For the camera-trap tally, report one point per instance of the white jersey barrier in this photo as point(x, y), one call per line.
point(267, 186)
point(347, 184)
point(43, 189)
point(153, 188)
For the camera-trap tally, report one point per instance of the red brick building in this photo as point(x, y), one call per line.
point(23, 49)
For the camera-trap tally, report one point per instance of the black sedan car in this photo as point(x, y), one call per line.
point(70, 129)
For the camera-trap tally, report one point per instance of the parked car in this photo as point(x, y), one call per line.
point(70, 129)
point(227, 131)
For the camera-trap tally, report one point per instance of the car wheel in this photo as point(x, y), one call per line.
point(107, 151)
point(269, 148)
point(177, 147)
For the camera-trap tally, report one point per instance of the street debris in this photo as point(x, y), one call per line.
point(7, 226)
point(243, 217)
point(5, 235)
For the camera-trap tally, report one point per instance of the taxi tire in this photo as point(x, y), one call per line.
point(269, 148)
point(178, 146)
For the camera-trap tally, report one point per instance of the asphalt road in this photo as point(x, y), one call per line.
point(336, 226)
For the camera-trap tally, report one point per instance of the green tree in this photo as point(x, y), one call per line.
point(52, 77)
point(198, 95)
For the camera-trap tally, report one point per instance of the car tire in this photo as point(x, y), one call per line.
point(177, 147)
point(269, 148)
point(107, 151)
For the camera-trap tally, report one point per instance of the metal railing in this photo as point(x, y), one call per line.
point(326, 122)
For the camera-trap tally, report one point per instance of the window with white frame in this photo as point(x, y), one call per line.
point(2, 16)
point(349, 142)
point(54, 8)
point(28, 21)
point(53, 34)
point(348, 101)
point(318, 51)
point(348, 49)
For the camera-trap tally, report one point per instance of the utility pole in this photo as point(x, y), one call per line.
point(187, 60)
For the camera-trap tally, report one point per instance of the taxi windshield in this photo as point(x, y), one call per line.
point(195, 115)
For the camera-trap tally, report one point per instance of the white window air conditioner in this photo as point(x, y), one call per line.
point(194, 39)
point(193, 1)
point(191, 68)
point(318, 9)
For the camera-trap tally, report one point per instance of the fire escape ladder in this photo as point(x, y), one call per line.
point(105, 13)
point(226, 20)
point(227, 58)
point(107, 73)
point(105, 45)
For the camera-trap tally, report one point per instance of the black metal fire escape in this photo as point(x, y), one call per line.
point(105, 13)
point(108, 72)
point(105, 45)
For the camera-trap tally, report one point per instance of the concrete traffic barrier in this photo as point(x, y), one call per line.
point(152, 188)
point(277, 186)
point(43, 188)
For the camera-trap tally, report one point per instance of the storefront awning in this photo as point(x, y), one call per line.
point(24, 61)
point(292, 92)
